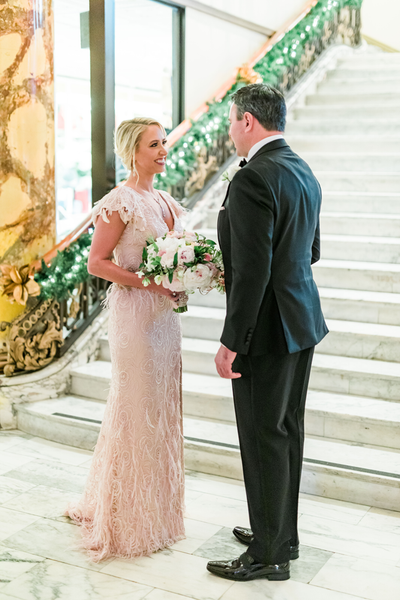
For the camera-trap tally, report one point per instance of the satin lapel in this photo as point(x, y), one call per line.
point(227, 194)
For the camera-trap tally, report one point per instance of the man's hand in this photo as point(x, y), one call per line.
point(223, 362)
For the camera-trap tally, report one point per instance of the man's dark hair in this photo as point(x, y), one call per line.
point(264, 102)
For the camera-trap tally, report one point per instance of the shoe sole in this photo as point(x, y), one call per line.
point(294, 555)
point(259, 575)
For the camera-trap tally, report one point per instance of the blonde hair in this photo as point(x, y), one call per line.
point(127, 139)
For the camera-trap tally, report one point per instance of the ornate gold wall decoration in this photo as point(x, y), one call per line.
point(32, 339)
point(206, 166)
point(17, 284)
point(27, 186)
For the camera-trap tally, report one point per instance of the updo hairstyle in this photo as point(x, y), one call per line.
point(127, 138)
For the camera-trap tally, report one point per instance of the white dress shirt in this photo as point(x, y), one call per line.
point(254, 149)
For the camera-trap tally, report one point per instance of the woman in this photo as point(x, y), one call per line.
point(134, 496)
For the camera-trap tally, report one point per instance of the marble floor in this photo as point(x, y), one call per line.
point(348, 551)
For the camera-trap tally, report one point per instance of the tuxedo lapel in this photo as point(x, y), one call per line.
point(227, 194)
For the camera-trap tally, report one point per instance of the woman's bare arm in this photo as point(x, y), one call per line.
point(105, 238)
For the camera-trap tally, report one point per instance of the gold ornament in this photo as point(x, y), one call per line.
point(18, 284)
point(248, 75)
point(32, 340)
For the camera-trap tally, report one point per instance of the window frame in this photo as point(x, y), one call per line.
point(102, 86)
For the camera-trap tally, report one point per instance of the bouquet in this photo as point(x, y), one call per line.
point(183, 262)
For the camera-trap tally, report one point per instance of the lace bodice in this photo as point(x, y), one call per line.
point(142, 218)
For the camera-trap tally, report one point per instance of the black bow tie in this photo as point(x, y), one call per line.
point(243, 162)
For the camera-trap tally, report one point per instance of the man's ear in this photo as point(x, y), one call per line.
point(249, 121)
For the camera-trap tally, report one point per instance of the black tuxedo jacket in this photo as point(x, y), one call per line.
point(268, 231)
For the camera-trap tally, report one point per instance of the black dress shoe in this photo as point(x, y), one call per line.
point(245, 568)
point(245, 536)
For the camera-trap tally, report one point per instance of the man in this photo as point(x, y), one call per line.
point(268, 229)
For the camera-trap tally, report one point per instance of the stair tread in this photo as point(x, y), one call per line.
point(358, 216)
point(99, 369)
point(359, 295)
point(330, 361)
point(361, 239)
point(359, 174)
point(359, 365)
point(349, 454)
point(357, 265)
point(337, 325)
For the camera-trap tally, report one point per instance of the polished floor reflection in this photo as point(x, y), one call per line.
point(348, 551)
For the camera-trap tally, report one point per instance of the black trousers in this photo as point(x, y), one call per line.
point(270, 402)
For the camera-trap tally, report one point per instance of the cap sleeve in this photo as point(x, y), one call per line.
point(126, 202)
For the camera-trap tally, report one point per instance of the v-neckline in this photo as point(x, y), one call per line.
point(158, 214)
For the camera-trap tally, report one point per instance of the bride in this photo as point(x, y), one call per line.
point(134, 497)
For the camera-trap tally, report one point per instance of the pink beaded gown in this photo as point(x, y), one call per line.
point(133, 502)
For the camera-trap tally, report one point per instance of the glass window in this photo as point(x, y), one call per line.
point(143, 63)
point(72, 113)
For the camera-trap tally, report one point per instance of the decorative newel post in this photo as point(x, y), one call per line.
point(27, 184)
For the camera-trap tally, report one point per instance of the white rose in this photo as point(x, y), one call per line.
point(185, 255)
point(171, 243)
point(230, 173)
point(198, 277)
point(167, 259)
point(177, 284)
point(190, 236)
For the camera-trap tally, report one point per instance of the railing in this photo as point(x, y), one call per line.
point(204, 142)
point(281, 62)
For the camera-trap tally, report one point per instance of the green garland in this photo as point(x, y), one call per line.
point(285, 54)
point(69, 268)
point(66, 271)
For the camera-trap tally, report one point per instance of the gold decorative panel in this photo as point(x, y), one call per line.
point(27, 187)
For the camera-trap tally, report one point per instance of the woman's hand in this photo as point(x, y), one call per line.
point(160, 289)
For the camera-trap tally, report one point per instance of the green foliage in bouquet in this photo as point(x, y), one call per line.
point(285, 54)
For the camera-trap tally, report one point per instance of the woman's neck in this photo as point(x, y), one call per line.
point(142, 181)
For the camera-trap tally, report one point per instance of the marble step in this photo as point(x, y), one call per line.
point(358, 230)
point(346, 338)
point(352, 471)
point(361, 202)
point(334, 100)
point(358, 275)
point(359, 181)
point(331, 126)
point(359, 305)
point(330, 373)
point(347, 203)
point(356, 376)
point(378, 225)
point(337, 303)
point(368, 248)
point(353, 161)
point(382, 72)
point(367, 111)
point(359, 86)
point(76, 422)
point(342, 143)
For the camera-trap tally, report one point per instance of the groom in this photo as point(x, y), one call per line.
point(268, 230)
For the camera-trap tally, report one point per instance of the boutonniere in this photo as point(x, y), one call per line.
point(230, 173)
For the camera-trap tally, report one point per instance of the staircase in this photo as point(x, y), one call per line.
point(349, 132)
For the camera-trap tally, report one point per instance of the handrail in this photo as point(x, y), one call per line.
point(67, 241)
point(184, 127)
